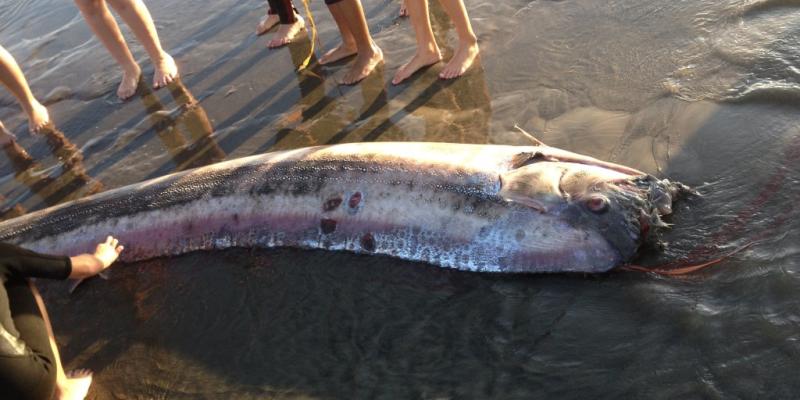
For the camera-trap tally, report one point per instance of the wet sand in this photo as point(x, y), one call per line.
point(701, 93)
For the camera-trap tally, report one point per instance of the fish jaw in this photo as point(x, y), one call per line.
point(534, 242)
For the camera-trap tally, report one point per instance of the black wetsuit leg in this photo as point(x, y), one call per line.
point(27, 364)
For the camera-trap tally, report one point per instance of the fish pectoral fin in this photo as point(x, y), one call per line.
point(529, 157)
point(528, 202)
point(74, 283)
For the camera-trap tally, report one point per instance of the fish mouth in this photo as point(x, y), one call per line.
point(651, 199)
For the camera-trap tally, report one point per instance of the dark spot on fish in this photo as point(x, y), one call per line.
point(327, 225)
point(368, 242)
point(331, 204)
point(236, 217)
point(519, 235)
point(327, 244)
point(355, 200)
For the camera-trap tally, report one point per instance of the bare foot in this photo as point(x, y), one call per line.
point(38, 117)
point(341, 51)
point(76, 386)
point(165, 71)
point(130, 80)
point(363, 66)
point(403, 8)
point(419, 61)
point(462, 59)
point(286, 32)
point(267, 23)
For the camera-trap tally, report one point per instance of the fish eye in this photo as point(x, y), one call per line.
point(597, 204)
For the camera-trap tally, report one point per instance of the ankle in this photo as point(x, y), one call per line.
point(372, 49)
point(428, 51)
point(161, 58)
point(468, 41)
point(132, 70)
point(349, 45)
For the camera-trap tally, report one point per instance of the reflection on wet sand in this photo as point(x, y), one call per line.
point(435, 110)
point(424, 108)
point(461, 110)
point(68, 181)
point(185, 132)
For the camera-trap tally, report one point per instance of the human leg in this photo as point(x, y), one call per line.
point(467, 50)
point(70, 386)
point(137, 17)
point(427, 51)
point(105, 27)
point(12, 77)
point(369, 55)
point(28, 368)
point(291, 23)
point(348, 46)
point(268, 21)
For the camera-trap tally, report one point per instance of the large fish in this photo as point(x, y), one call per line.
point(472, 207)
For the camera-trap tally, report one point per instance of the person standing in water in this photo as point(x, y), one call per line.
point(137, 17)
point(30, 366)
point(428, 51)
point(291, 23)
point(12, 78)
point(356, 40)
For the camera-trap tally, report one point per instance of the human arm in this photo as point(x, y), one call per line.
point(87, 265)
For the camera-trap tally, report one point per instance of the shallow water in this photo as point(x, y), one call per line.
point(701, 92)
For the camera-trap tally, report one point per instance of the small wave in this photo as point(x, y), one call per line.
point(779, 92)
point(763, 6)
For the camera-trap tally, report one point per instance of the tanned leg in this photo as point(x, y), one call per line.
point(427, 51)
point(105, 27)
point(369, 54)
point(12, 77)
point(348, 46)
point(467, 50)
point(137, 17)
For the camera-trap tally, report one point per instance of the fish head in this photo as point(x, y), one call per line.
point(605, 213)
